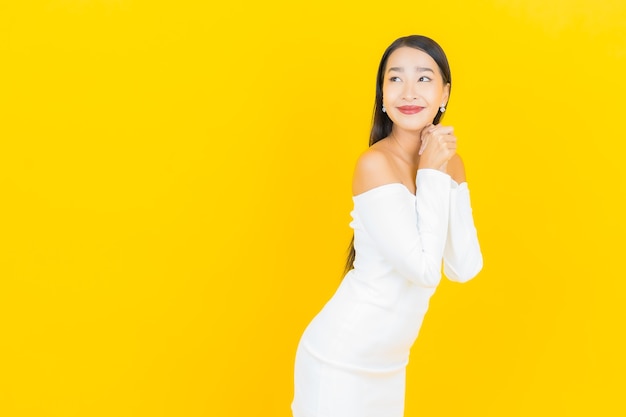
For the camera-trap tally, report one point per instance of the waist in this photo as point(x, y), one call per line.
point(366, 368)
point(356, 330)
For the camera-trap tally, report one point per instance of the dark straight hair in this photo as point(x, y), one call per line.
point(381, 123)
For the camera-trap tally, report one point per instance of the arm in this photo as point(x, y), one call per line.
point(409, 233)
point(462, 258)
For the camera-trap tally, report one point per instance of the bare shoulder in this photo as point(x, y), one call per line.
point(456, 169)
point(373, 169)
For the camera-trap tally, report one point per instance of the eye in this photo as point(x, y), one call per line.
point(394, 79)
point(424, 79)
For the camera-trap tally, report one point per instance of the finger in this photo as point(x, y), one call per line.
point(445, 139)
point(423, 145)
point(426, 130)
point(445, 130)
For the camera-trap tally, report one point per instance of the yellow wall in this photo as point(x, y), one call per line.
point(175, 197)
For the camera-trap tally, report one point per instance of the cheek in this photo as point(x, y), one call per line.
point(388, 90)
point(431, 92)
point(391, 90)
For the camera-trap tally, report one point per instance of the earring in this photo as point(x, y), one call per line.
point(384, 109)
point(442, 108)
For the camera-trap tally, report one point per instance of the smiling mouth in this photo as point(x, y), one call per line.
point(410, 109)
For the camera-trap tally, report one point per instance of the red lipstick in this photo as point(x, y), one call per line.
point(410, 109)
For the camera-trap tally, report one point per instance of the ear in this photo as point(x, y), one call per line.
point(446, 94)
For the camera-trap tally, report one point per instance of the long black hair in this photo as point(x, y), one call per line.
point(382, 124)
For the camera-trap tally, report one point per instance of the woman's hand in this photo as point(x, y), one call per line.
point(438, 146)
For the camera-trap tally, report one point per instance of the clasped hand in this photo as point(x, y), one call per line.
point(438, 146)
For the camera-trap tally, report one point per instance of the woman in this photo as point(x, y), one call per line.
point(411, 211)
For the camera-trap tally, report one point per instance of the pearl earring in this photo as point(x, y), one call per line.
point(442, 108)
point(384, 109)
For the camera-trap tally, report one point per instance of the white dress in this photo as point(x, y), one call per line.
point(352, 357)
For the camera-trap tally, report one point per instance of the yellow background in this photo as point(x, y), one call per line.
point(175, 197)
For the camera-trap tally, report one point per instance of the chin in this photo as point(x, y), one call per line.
point(415, 125)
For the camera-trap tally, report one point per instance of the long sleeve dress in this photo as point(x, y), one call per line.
point(352, 357)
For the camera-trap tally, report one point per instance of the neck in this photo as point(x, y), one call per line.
point(408, 142)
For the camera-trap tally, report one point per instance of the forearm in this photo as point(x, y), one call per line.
point(462, 255)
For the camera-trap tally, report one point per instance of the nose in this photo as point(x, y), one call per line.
point(410, 91)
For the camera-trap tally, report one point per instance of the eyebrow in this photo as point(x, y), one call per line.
point(417, 69)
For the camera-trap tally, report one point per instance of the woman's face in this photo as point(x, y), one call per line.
point(413, 89)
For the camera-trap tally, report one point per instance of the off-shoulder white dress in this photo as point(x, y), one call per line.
point(352, 357)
